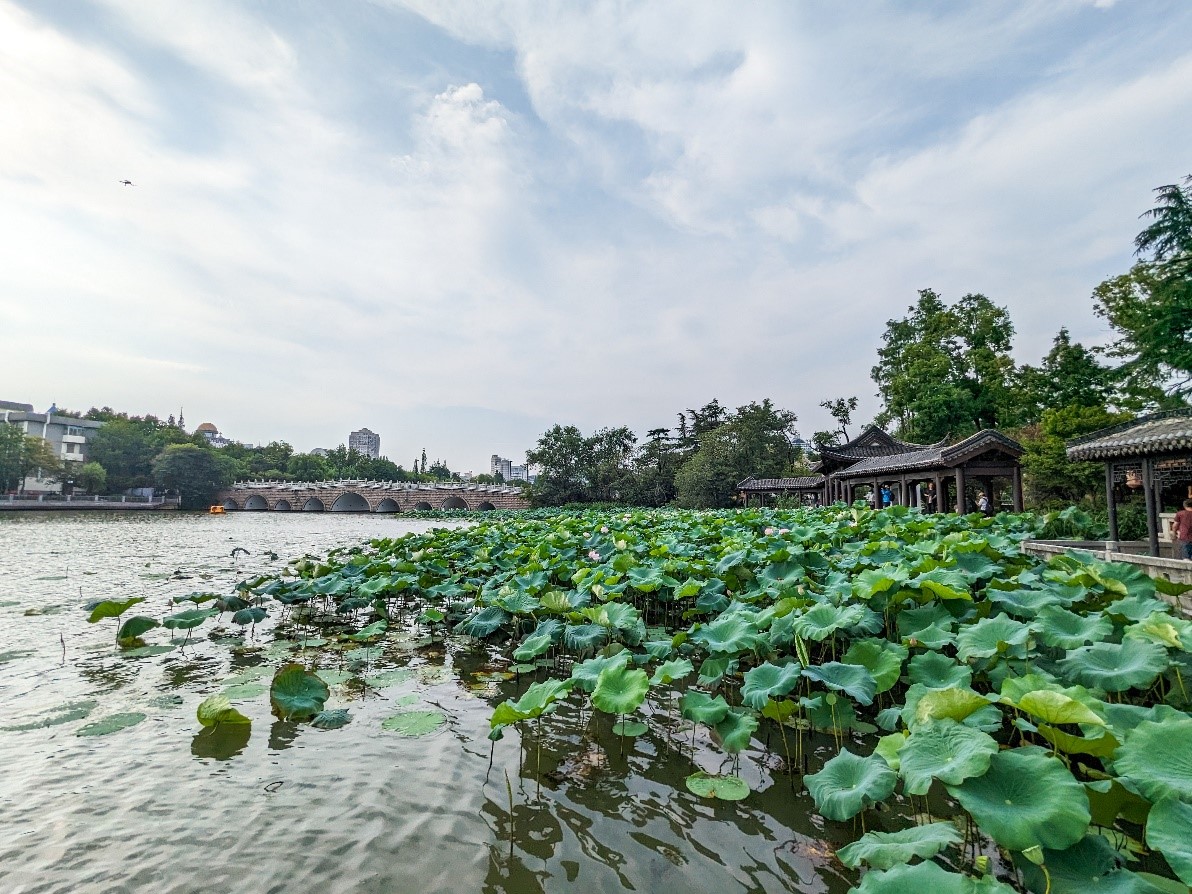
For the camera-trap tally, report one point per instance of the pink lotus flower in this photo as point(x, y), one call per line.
point(587, 533)
point(604, 529)
point(593, 555)
point(784, 530)
point(769, 532)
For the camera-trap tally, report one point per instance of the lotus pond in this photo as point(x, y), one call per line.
point(758, 700)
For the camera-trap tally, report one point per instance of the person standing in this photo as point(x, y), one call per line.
point(1181, 531)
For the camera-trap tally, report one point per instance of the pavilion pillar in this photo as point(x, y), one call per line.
point(960, 507)
point(1017, 485)
point(1111, 507)
point(1152, 510)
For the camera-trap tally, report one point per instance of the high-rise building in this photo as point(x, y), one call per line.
point(500, 465)
point(366, 442)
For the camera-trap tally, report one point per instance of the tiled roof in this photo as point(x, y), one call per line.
point(871, 442)
point(935, 456)
point(804, 482)
point(1157, 434)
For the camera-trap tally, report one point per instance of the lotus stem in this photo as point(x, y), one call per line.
point(509, 791)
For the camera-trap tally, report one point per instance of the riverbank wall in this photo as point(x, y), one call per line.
point(13, 503)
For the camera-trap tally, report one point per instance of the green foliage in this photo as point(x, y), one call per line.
point(297, 694)
point(849, 783)
point(195, 472)
point(885, 850)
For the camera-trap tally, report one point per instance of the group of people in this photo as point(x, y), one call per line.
point(928, 499)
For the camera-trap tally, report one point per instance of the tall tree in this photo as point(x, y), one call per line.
point(1069, 376)
point(194, 472)
point(841, 409)
point(562, 457)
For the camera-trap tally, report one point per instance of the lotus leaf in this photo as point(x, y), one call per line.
point(389, 677)
point(700, 707)
point(534, 701)
point(587, 673)
point(1023, 603)
point(1137, 608)
point(887, 749)
point(1053, 707)
point(823, 620)
point(1063, 629)
point(414, 723)
point(332, 676)
point(935, 614)
point(630, 729)
point(620, 690)
point(849, 783)
point(735, 730)
point(532, 647)
point(136, 626)
point(768, 681)
point(943, 750)
point(852, 679)
point(1103, 744)
point(217, 709)
point(1157, 758)
point(935, 670)
point(584, 637)
point(712, 670)
point(242, 691)
point(927, 878)
point(66, 713)
point(1169, 831)
point(147, 651)
point(943, 583)
point(110, 608)
point(670, 671)
point(885, 850)
point(297, 694)
point(991, 636)
point(931, 637)
point(188, 619)
point(724, 788)
point(728, 635)
point(941, 704)
point(254, 615)
point(112, 724)
point(484, 623)
point(882, 658)
point(334, 718)
point(1092, 864)
point(1116, 667)
point(1026, 800)
point(1162, 628)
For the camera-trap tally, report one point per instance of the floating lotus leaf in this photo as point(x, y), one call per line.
point(849, 783)
point(1026, 800)
point(188, 619)
point(414, 723)
point(767, 681)
point(532, 647)
point(882, 658)
point(822, 620)
point(110, 608)
point(296, 694)
point(735, 730)
point(146, 651)
point(112, 724)
point(927, 878)
point(724, 788)
point(852, 679)
point(66, 713)
point(217, 709)
point(885, 850)
point(943, 750)
point(136, 626)
point(620, 690)
point(670, 671)
point(935, 670)
point(243, 691)
point(1116, 667)
point(1063, 629)
point(700, 707)
point(630, 729)
point(333, 677)
point(1157, 759)
point(1169, 831)
point(334, 718)
point(389, 678)
point(1092, 864)
point(991, 636)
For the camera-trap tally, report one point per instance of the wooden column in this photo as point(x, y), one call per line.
point(1111, 507)
point(1017, 484)
point(1152, 509)
point(960, 507)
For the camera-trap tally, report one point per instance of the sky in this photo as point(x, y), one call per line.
point(458, 223)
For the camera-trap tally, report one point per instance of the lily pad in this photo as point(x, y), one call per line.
point(414, 723)
point(66, 713)
point(296, 694)
point(723, 788)
point(333, 677)
point(112, 724)
point(620, 690)
point(943, 750)
point(630, 729)
point(849, 783)
point(884, 850)
point(244, 691)
point(389, 678)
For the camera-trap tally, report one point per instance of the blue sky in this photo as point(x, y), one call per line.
point(457, 223)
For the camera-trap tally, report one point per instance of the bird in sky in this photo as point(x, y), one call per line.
point(128, 183)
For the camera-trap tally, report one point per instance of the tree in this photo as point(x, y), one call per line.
point(307, 467)
point(1069, 376)
point(841, 409)
point(652, 482)
point(38, 459)
point(92, 477)
point(1049, 476)
point(946, 371)
point(12, 449)
point(609, 455)
point(194, 472)
point(127, 446)
point(562, 457)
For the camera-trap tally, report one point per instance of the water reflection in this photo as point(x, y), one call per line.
point(221, 742)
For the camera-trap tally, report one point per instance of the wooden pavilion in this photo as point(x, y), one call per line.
point(808, 488)
point(1152, 454)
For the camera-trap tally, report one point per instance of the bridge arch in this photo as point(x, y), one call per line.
point(282, 506)
point(256, 503)
point(486, 506)
point(350, 502)
point(229, 503)
point(314, 504)
point(388, 505)
point(423, 506)
point(454, 503)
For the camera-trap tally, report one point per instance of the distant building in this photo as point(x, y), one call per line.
point(319, 451)
point(68, 436)
point(365, 442)
point(211, 433)
point(465, 476)
point(518, 473)
point(500, 466)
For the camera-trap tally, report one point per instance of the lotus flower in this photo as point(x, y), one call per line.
point(593, 555)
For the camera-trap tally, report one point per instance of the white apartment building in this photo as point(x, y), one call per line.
point(365, 442)
point(68, 436)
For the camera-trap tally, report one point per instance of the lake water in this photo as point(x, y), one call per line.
point(164, 807)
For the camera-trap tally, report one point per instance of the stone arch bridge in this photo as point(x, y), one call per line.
point(366, 496)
